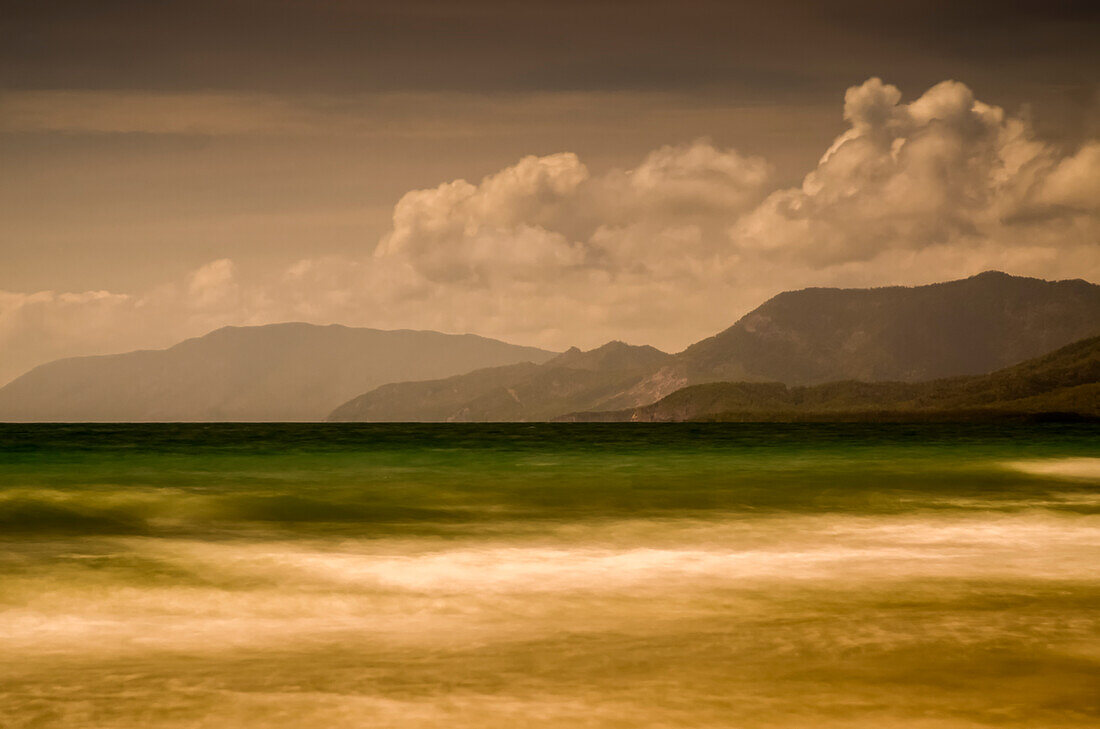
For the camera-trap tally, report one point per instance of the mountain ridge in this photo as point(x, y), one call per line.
point(1064, 382)
point(509, 393)
point(301, 371)
point(290, 371)
point(810, 336)
point(912, 333)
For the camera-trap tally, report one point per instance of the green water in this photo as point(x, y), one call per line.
point(719, 575)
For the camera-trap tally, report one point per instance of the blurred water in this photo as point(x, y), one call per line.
point(719, 575)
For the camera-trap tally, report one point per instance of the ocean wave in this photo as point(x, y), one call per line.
point(1086, 469)
point(46, 512)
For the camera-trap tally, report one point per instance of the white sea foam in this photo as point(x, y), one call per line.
point(801, 548)
point(258, 594)
point(1087, 469)
point(757, 623)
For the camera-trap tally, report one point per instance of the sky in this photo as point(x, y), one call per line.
point(549, 173)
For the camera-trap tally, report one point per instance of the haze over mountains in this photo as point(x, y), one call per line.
point(305, 372)
point(280, 372)
point(908, 334)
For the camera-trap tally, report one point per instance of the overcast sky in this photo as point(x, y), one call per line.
point(550, 173)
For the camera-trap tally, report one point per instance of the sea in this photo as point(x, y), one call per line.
point(803, 576)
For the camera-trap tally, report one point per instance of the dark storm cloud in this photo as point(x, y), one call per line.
point(766, 49)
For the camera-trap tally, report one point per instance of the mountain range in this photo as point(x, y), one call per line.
point(573, 380)
point(1063, 382)
point(303, 372)
point(906, 334)
point(279, 372)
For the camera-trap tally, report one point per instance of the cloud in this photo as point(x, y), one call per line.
point(393, 115)
point(547, 217)
point(212, 285)
point(944, 169)
point(151, 112)
point(671, 250)
point(502, 228)
point(1075, 182)
point(44, 325)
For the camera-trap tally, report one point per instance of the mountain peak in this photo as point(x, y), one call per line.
point(961, 327)
point(994, 274)
point(614, 355)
